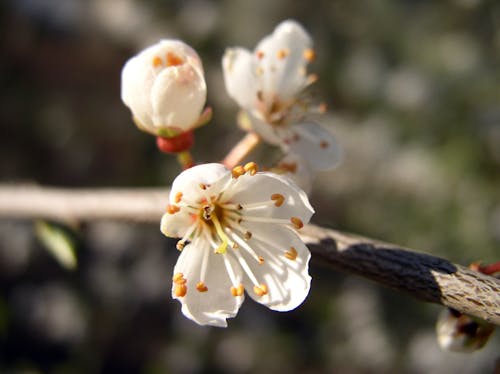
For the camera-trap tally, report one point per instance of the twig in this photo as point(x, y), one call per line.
point(241, 150)
point(422, 276)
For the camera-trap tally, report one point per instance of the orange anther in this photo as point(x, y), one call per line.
point(180, 245)
point(237, 171)
point(172, 209)
point(203, 186)
point(309, 54)
point(251, 167)
point(200, 286)
point(260, 290)
point(260, 55)
point(180, 290)
point(173, 59)
point(157, 62)
point(278, 199)
point(324, 144)
point(178, 197)
point(282, 53)
point(247, 235)
point(291, 254)
point(178, 278)
point(260, 259)
point(237, 291)
point(297, 222)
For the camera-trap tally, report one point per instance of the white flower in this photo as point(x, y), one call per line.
point(164, 87)
point(267, 84)
point(237, 234)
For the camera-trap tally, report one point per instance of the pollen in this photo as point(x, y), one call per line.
point(180, 290)
point(200, 286)
point(324, 144)
point(173, 59)
point(260, 290)
point(297, 222)
point(238, 171)
point(237, 291)
point(178, 197)
point(278, 199)
point(251, 168)
point(282, 53)
point(178, 278)
point(309, 55)
point(260, 55)
point(291, 254)
point(172, 209)
point(157, 62)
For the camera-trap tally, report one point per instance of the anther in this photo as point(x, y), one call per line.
point(251, 168)
point(324, 144)
point(260, 55)
point(239, 207)
point(237, 291)
point(278, 199)
point(178, 278)
point(282, 53)
point(180, 290)
point(237, 171)
point(288, 166)
point(260, 290)
point(260, 259)
point(200, 286)
point(297, 222)
point(291, 254)
point(172, 209)
point(157, 62)
point(173, 59)
point(180, 245)
point(235, 245)
point(178, 197)
point(247, 235)
point(309, 54)
point(203, 186)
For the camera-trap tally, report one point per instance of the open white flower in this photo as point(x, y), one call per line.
point(236, 230)
point(164, 87)
point(268, 84)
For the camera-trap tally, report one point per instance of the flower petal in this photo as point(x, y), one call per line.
point(261, 187)
point(239, 68)
point(296, 169)
point(270, 134)
point(189, 182)
point(178, 96)
point(217, 304)
point(284, 76)
point(175, 225)
point(315, 145)
point(284, 269)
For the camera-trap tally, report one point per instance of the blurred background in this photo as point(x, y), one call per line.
point(414, 97)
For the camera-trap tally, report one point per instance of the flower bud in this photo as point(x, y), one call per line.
point(164, 87)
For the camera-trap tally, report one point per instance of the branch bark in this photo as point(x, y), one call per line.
point(420, 275)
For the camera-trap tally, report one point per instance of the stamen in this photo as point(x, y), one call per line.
point(180, 245)
point(260, 259)
point(238, 171)
point(157, 62)
point(251, 168)
point(200, 286)
point(238, 290)
point(260, 55)
point(291, 254)
point(324, 144)
point(309, 54)
point(178, 197)
point(178, 278)
point(260, 290)
point(203, 186)
point(173, 59)
point(282, 53)
point(247, 248)
point(246, 268)
point(247, 235)
point(180, 290)
point(278, 199)
point(297, 222)
point(172, 209)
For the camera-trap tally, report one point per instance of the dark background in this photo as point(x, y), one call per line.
point(414, 96)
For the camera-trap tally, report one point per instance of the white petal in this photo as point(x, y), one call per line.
point(178, 96)
point(284, 76)
point(269, 133)
point(217, 304)
point(188, 182)
point(315, 145)
point(175, 225)
point(288, 281)
point(239, 68)
point(303, 174)
point(261, 186)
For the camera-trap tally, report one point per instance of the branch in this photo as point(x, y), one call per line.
point(422, 276)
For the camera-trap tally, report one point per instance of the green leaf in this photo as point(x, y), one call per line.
point(58, 242)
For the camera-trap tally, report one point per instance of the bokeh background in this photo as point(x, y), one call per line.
point(413, 89)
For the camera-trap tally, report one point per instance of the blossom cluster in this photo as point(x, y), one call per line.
point(236, 225)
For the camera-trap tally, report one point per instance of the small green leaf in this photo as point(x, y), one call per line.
point(58, 242)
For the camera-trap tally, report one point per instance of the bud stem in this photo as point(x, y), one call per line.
point(185, 159)
point(241, 150)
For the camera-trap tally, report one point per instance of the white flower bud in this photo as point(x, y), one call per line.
point(164, 87)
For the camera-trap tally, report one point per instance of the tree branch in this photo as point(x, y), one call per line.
point(420, 275)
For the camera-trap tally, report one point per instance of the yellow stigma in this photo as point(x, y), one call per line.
point(260, 290)
point(297, 222)
point(291, 254)
point(278, 199)
point(237, 291)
